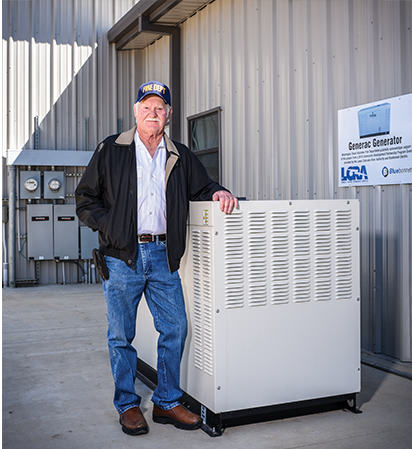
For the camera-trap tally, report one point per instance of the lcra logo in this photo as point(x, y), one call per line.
point(354, 173)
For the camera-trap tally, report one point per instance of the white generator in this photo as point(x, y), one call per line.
point(273, 302)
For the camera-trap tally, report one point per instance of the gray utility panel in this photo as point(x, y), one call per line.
point(40, 231)
point(52, 232)
point(30, 185)
point(66, 232)
point(88, 241)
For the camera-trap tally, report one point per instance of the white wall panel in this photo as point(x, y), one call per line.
point(280, 70)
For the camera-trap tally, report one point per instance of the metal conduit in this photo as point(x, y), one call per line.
point(12, 226)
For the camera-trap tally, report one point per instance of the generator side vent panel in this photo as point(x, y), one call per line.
point(202, 297)
point(234, 261)
point(279, 256)
point(323, 255)
point(207, 302)
point(343, 250)
point(257, 258)
point(197, 299)
point(301, 256)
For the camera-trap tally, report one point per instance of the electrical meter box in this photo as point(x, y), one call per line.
point(40, 231)
point(66, 232)
point(30, 185)
point(54, 185)
point(88, 241)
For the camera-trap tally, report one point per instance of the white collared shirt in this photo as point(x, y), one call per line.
point(151, 195)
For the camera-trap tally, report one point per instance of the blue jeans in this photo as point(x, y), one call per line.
point(164, 296)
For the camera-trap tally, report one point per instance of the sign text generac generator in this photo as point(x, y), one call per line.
point(273, 301)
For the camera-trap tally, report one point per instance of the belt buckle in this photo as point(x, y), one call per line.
point(145, 238)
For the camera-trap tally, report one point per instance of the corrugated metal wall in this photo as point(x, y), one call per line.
point(280, 70)
point(61, 68)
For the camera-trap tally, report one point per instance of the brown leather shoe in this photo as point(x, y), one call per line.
point(178, 416)
point(133, 422)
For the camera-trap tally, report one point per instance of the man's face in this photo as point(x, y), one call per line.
point(151, 115)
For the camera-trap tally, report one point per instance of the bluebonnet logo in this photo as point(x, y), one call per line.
point(354, 173)
point(395, 171)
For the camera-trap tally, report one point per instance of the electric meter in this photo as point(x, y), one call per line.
point(31, 184)
point(54, 184)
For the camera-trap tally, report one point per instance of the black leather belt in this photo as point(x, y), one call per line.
point(146, 238)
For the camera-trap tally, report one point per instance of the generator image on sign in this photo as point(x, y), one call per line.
point(374, 121)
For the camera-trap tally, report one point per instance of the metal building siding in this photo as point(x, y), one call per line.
point(280, 70)
point(157, 60)
point(61, 68)
point(135, 67)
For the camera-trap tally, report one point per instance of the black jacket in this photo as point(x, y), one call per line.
point(106, 197)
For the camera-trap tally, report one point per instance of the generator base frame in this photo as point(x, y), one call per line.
point(214, 424)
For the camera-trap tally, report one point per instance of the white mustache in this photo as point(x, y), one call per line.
point(152, 120)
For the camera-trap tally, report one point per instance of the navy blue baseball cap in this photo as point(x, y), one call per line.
point(154, 88)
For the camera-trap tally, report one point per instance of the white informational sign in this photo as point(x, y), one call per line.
point(375, 143)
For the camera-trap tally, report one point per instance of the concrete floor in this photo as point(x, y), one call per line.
point(57, 389)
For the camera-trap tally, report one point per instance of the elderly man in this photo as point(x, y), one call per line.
point(136, 192)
